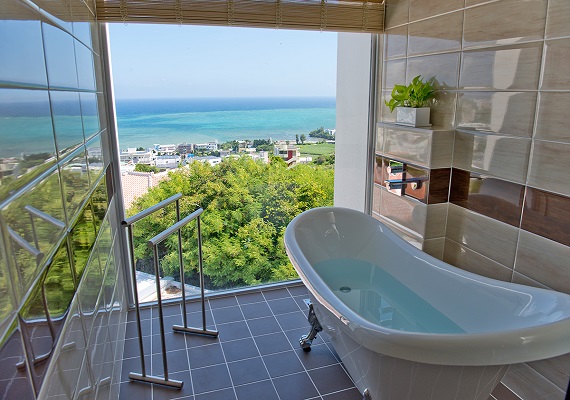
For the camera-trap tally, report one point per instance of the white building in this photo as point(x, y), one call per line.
point(167, 161)
point(210, 146)
point(165, 149)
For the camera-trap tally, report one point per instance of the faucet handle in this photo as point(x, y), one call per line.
point(396, 169)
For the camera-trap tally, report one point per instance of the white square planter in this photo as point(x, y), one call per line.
point(412, 116)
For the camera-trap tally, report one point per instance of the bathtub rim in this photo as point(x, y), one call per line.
point(463, 349)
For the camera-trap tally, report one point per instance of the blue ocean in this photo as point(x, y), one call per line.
point(146, 122)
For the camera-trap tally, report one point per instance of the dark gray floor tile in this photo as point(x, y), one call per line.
point(319, 356)
point(248, 371)
point(174, 341)
point(247, 298)
point(134, 365)
point(272, 294)
point(259, 390)
point(223, 302)
point(301, 303)
point(224, 394)
point(177, 361)
point(161, 392)
point(211, 378)
point(295, 387)
point(194, 319)
point(272, 343)
point(233, 331)
point(283, 364)
point(298, 290)
point(132, 348)
point(170, 320)
point(295, 334)
point(196, 306)
point(331, 379)
point(227, 314)
point(349, 394)
point(199, 340)
point(292, 320)
point(204, 356)
point(145, 314)
point(256, 310)
point(135, 390)
point(239, 349)
point(262, 326)
point(132, 331)
point(168, 310)
point(282, 306)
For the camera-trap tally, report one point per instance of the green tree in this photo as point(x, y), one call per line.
point(247, 204)
point(303, 138)
point(297, 138)
point(146, 168)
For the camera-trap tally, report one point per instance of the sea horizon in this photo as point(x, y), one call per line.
point(145, 122)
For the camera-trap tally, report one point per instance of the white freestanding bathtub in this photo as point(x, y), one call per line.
point(409, 326)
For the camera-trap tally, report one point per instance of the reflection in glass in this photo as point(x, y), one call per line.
point(59, 285)
point(26, 134)
point(95, 158)
point(82, 31)
point(85, 68)
point(66, 111)
point(6, 307)
point(14, 382)
point(36, 217)
point(90, 288)
point(21, 48)
point(60, 57)
point(110, 281)
point(89, 113)
point(82, 239)
point(75, 181)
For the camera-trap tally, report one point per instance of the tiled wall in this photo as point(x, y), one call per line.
point(502, 67)
point(61, 288)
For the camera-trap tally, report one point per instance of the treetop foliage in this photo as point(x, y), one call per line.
point(247, 206)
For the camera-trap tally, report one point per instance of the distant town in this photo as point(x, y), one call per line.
point(143, 168)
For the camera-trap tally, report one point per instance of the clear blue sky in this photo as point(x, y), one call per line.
point(172, 61)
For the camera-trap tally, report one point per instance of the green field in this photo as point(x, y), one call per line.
point(319, 149)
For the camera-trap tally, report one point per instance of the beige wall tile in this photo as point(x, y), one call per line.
point(526, 383)
point(443, 67)
point(552, 117)
point(469, 260)
point(434, 35)
point(408, 144)
point(510, 113)
point(504, 22)
point(544, 260)
point(441, 149)
point(396, 42)
point(394, 73)
point(557, 19)
point(410, 214)
point(525, 280)
point(436, 220)
point(549, 166)
point(443, 110)
point(500, 156)
point(434, 247)
point(396, 13)
point(409, 236)
point(556, 71)
point(514, 68)
point(491, 238)
point(385, 114)
point(420, 9)
point(556, 370)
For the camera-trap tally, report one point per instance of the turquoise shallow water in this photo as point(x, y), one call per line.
point(143, 123)
point(26, 128)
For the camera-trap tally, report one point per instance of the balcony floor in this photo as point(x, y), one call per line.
point(257, 354)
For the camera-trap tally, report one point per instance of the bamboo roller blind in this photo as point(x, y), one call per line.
point(326, 15)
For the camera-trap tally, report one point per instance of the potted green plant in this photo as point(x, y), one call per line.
point(412, 102)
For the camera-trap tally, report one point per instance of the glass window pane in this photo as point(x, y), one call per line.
point(26, 134)
point(82, 239)
point(75, 181)
point(21, 44)
point(85, 69)
point(66, 120)
point(59, 285)
point(89, 113)
point(14, 381)
point(60, 57)
point(95, 158)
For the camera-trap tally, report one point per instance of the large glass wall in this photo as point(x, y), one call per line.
point(61, 291)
